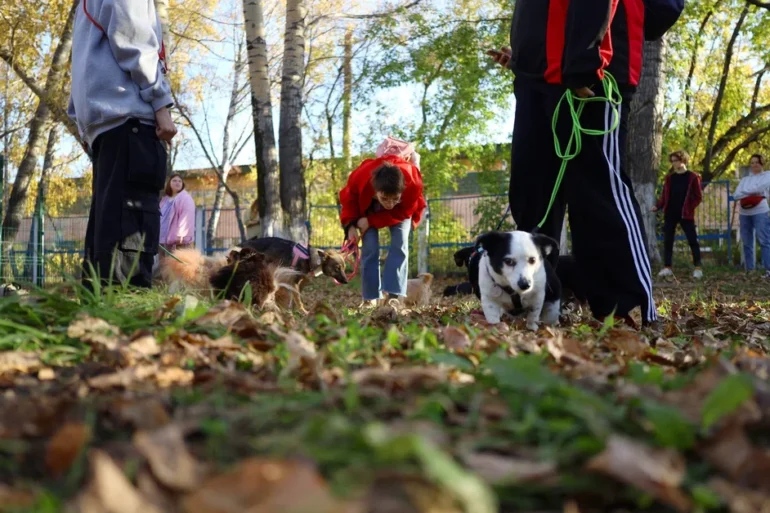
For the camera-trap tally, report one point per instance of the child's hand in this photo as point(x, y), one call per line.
point(352, 233)
point(363, 224)
point(654, 209)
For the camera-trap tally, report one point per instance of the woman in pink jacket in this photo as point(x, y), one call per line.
point(177, 216)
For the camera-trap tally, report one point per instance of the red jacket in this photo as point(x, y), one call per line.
point(357, 196)
point(572, 42)
point(692, 199)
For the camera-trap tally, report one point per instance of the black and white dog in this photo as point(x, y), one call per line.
point(515, 270)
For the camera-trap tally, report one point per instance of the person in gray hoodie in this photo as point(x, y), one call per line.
point(120, 102)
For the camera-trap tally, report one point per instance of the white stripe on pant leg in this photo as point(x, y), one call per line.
point(622, 193)
point(637, 226)
point(621, 189)
point(608, 145)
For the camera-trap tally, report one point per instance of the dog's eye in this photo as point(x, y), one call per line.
point(532, 260)
point(509, 261)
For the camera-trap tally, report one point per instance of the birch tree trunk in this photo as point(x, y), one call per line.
point(268, 192)
point(42, 193)
point(293, 191)
point(645, 138)
point(347, 94)
point(37, 132)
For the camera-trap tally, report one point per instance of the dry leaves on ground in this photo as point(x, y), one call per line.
point(655, 471)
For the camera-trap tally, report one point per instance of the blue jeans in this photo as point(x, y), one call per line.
point(761, 224)
point(396, 263)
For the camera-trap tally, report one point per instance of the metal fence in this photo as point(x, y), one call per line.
point(53, 254)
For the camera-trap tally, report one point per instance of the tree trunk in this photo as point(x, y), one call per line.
point(293, 191)
point(268, 192)
point(42, 194)
point(216, 211)
point(645, 138)
point(347, 94)
point(37, 131)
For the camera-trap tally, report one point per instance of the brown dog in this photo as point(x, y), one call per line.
point(227, 275)
point(418, 291)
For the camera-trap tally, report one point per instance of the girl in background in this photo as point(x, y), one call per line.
point(177, 216)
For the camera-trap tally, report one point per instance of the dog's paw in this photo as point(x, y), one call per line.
point(533, 326)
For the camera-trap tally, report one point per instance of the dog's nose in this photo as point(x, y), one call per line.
point(523, 284)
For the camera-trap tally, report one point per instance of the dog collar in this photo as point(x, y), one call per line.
point(505, 288)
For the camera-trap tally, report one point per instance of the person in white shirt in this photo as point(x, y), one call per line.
point(752, 196)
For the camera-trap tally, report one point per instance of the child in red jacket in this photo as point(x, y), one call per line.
point(385, 192)
point(681, 196)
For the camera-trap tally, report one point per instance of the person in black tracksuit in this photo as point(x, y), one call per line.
point(682, 193)
point(560, 44)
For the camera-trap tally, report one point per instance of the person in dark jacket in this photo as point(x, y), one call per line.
point(682, 193)
point(570, 44)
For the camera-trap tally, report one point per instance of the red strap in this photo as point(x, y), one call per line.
point(161, 53)
point(350, 247)
point(91, 19)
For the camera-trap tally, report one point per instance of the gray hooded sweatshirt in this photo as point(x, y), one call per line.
point(118, 66)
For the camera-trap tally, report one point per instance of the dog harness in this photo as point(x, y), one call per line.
point(299, 252)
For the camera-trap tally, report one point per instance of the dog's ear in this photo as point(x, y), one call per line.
point(461, 256)
point(322, 254)
point(548, 247)
point(488, 240)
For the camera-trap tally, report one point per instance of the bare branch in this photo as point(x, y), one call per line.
point(365, 16)
point(759, 3)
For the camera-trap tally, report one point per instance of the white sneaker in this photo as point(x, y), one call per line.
point(766, 275)
point(666, 271)
point(697, 274)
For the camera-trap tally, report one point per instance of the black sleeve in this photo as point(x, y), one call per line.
point(659, 16)
point(586, 24)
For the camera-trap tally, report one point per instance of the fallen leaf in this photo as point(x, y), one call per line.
point(147, 414)
point(740, 500)
point(731, 451)
point(143, 344)
point(33, 416)
point(302, 354)
point(46, 374)
point(323, 308)
point(690, 400)
point(628, 344)
point(124, 378)
point(19, 361)
point(14, 498)
point(505, 470)
point(109, 491)
point(168, 376)
point(408, 493)
point(455, 338)
point(658, 472)
point(263, 486)
point(384, 314)
point(170, 462)
point(65, 446)
point(400, 378)
point(93, 330)
point(165, 499)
